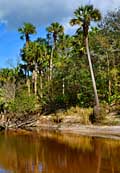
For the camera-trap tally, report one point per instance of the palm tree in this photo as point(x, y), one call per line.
point(56, 30)
point(83, 17)
point(42, 62)
point(26, 31)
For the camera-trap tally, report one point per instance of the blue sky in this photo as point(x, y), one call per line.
point(41, 13)
point(10, 45)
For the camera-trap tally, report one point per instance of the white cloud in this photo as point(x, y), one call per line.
point(39, 12)
point(43, 12)
point(106, 5)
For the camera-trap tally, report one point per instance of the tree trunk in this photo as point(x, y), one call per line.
point(63, 86)
point(51, 63)
point(28, 82)
point(28, 85)
point(92, 73)
point(27, 40)
point(109, 80)
point(41, 84)
point(51, 72)
point(35, 81)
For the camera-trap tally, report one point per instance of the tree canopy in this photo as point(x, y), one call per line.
point(54, 71)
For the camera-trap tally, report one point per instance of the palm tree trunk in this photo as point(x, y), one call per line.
point(27, 40)
point(35, 82)
point(63, 86)
point(28, 83)
point(109, 80)
point(51, 63)
point(28, 80)
point(41, 84)
point(92, 73)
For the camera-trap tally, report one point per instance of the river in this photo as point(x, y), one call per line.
point(53, 152)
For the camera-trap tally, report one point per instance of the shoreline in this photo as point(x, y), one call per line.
point(111, 132)
point(69, 125)
point(103, 131)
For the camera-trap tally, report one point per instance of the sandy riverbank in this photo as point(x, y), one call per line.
point(85, 130)
point(68, 125)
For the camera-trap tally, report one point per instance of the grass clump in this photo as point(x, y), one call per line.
point(81, 114)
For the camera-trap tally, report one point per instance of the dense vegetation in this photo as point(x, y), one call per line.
point(54, 72)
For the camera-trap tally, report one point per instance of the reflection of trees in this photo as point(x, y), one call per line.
point(107, 155)
point(58, 153)
point(98, 154)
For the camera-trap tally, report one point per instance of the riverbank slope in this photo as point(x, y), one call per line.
point(75, 120)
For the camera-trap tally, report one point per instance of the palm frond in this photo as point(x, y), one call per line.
point(96, 15)
point(75, 22)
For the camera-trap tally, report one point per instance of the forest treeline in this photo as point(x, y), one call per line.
point(55, 71)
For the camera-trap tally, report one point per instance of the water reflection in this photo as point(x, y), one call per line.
point(50, 152)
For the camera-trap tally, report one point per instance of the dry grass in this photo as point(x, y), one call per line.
point(83, 113)
point(73, 115)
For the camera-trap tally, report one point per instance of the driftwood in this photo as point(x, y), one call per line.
point(21, 124)
point(29, 123)
point(23, 121)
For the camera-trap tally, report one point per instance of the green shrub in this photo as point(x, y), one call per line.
point(23, 103)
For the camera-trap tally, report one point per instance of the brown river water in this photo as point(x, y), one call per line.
point(52, 152)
